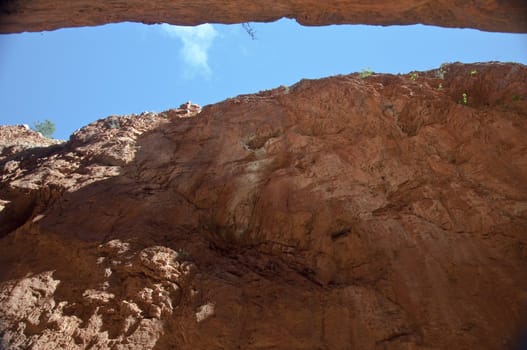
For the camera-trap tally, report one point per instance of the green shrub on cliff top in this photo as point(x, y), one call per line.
point(366, 72)
point(46, 128)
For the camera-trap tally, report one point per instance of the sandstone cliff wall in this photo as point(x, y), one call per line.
point(341, 213)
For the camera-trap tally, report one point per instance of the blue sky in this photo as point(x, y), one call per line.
point(75, 76)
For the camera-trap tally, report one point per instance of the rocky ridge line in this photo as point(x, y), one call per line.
point(388, 211)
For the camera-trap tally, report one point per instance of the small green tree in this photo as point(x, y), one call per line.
point(46, 128)
point(365, 72)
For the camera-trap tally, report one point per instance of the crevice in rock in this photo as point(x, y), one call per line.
point(24, 204)
point(400, 336)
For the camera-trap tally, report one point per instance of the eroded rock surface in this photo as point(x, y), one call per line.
point(388, 212)
point(18, 138)
point(39, 15)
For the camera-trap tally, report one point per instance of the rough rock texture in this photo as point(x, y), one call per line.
point(18, 138)
point(341, 213)
point(38, 15)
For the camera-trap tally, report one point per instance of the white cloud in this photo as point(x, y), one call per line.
point(196, 44)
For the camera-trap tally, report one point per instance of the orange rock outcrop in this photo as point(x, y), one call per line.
point(388, 212)
point(39, 15)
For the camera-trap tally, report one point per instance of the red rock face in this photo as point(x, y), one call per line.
point(39, 15)
point(388, 212)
